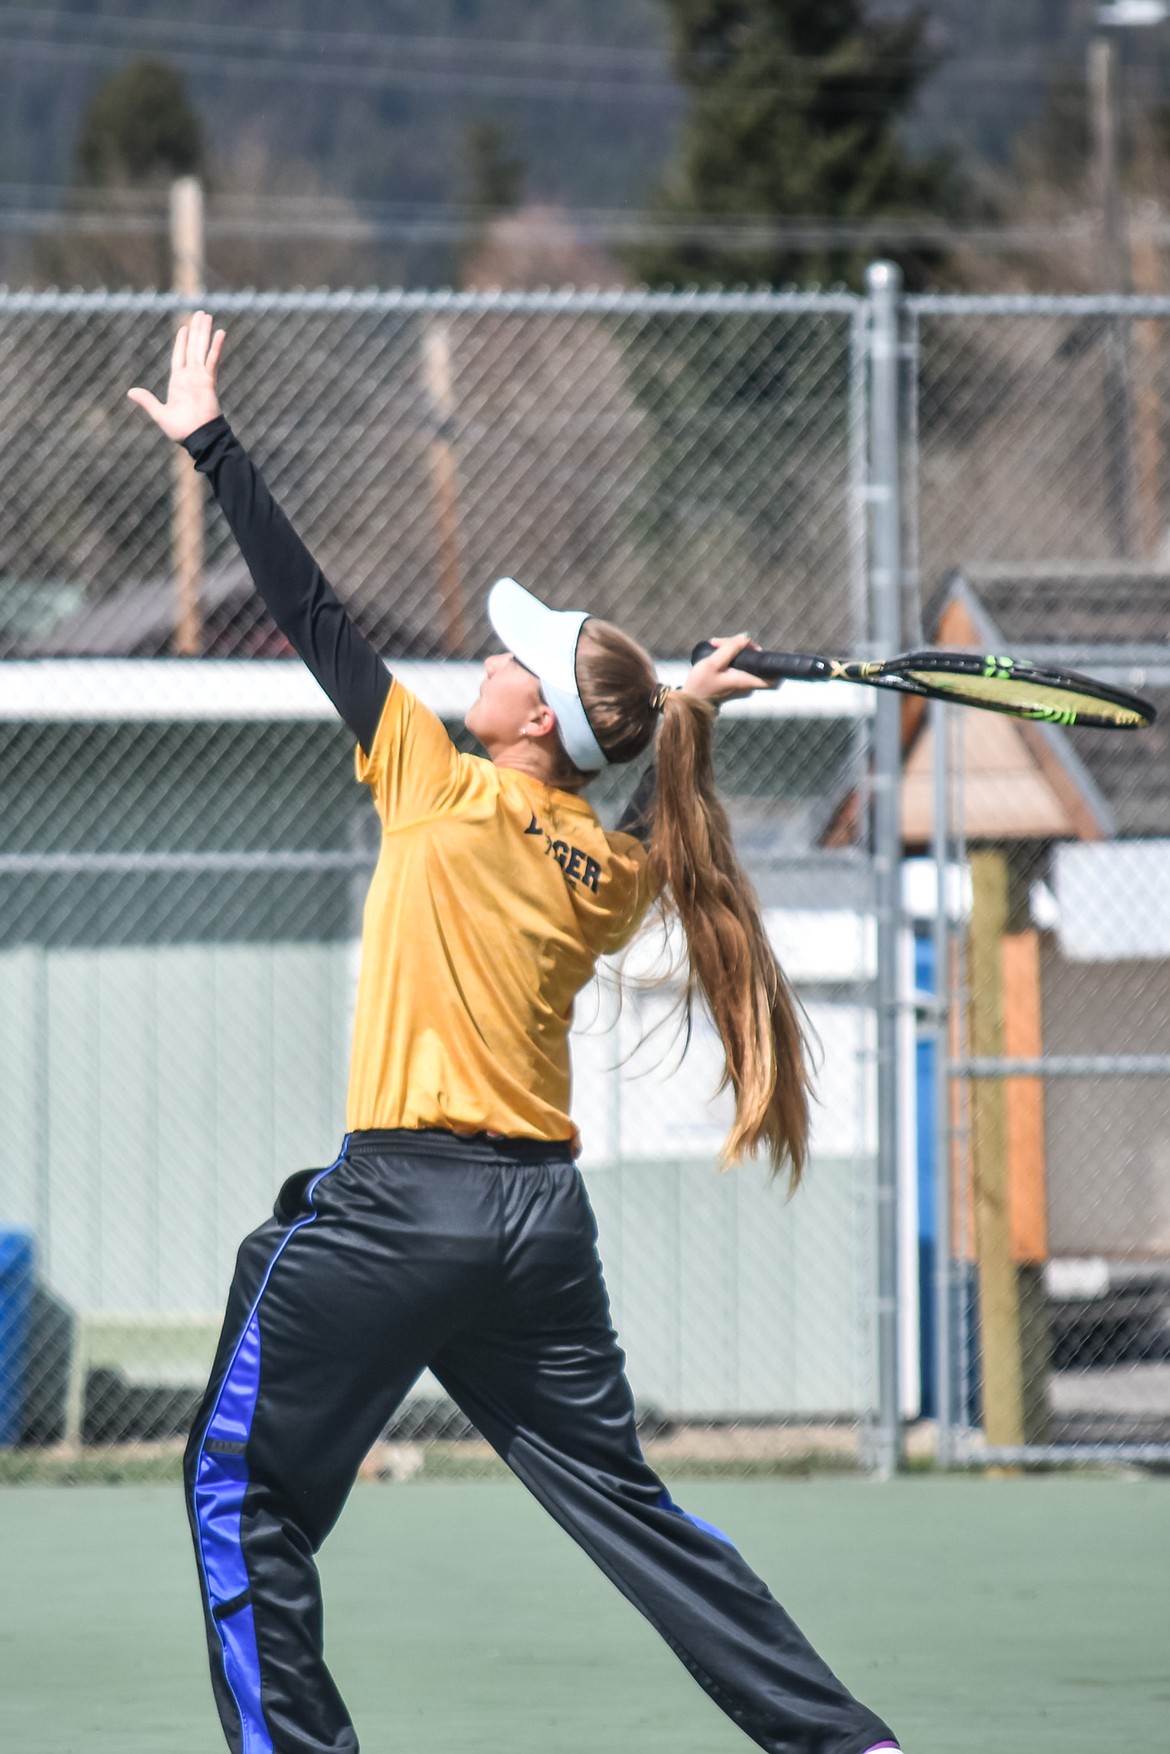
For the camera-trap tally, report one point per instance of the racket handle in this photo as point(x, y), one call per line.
point(773, 666)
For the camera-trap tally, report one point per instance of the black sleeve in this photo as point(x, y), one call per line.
point(296, 592)
point(638, 816)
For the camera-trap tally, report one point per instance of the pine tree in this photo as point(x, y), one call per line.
point(492, 172)
point(796, 112)
point(139, 132)
point(140, 129)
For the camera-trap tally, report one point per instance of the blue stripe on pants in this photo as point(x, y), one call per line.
point(221, 1480)
point(666, 1502)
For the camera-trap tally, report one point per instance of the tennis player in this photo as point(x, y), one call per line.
point(453, 1231)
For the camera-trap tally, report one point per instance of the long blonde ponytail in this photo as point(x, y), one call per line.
point(730, 962)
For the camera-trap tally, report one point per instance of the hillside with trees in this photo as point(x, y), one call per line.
point(464, 142)
point(797, 112)
point(380, 104)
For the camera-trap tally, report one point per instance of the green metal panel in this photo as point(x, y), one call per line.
point(174, 789)
point(729, 1299)
point(22, 1093)
point(182, 1084)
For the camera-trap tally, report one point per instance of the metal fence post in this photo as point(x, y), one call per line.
point(884, 285)
point(940, 718)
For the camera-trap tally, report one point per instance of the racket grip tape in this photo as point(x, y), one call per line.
point(773, 666)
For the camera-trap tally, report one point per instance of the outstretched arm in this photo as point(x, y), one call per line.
point(294, 589)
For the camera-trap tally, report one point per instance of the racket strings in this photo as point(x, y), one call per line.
point(1027, 697)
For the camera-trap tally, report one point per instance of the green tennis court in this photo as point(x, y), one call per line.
point(1025, 1616)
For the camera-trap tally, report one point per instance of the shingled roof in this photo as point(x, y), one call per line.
point(139, 621)
point(1062, 610)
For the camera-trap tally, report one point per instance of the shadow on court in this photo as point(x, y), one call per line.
point(1026, 1616)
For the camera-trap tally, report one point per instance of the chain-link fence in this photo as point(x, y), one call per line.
point(1039, 519)
point(670, 456)
point(983, 1246)
point(183, 853)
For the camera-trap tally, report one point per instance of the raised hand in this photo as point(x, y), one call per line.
point(191, 394)
point(715, 677)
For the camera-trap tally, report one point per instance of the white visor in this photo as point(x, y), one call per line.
point(545, 641)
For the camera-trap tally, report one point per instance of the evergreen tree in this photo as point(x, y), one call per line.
point(492, 183)
point(493, 174)
point(796, 113)
point(140, 129)
point(139, 132)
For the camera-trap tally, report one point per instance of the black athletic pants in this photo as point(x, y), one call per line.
point(476, 1257)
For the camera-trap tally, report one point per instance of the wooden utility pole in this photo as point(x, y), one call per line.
point(1114, 269)
point(999, 1305)
point(187, 495)
point(1023, 1039)
point(1114, 275)
point(437, 375)
point(1149, 334)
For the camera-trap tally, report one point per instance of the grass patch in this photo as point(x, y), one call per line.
point(91, 1468)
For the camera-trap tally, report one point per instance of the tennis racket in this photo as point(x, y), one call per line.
point(1001, 685)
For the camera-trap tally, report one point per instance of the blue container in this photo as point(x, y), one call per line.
point(16, 1289)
